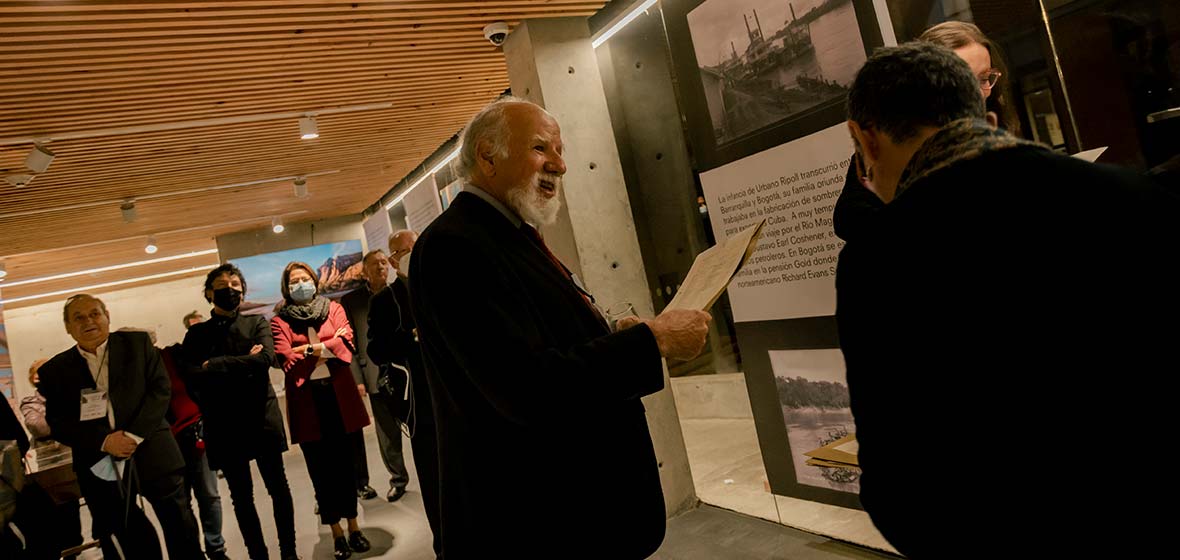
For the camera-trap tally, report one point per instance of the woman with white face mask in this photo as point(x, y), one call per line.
point(314, 344)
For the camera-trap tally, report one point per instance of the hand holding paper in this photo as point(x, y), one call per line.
point(680, 333)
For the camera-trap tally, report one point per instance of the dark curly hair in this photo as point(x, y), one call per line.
point(223, 269)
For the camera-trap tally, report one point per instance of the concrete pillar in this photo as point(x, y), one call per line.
point(551, 63)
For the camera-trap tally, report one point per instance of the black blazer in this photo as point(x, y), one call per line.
point(532, 395)
point(356, 308)
point(391, 341)
point(238, 404)
point(139, 393)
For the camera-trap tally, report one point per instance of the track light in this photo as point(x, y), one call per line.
point(300, 187)
point(308, 130)
point(151, 247)
point(39, 159)
point(18, 180)
point(276, 225)
point(128, 210)
point(3, 271)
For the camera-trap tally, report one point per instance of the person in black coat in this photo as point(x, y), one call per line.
point(366, 373)
point(227, 362)
point(533, 394)
point(1004, 315)
point(394, 346)
point(130, 444)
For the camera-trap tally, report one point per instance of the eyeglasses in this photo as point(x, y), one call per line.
point(988, 81)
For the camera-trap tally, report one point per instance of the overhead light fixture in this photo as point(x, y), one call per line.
point(3, 272)
point(300, 187)
point(82, 289)
point(19, 180)
point(39, 159)
point(308, 130)
point(618, 26)
point(128, 210)
point(449, 157)
point(151, 247)
point(276, 225)
point(101, 269)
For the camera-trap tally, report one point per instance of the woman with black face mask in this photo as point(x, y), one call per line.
point(227, 364)
point(314, 343)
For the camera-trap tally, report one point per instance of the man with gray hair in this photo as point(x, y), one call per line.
point(990, 350)
point(533, 392)
point(106, 399)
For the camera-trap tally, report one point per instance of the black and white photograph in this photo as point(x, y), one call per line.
point(754, 74)
point(762, 61)
point(813, 393)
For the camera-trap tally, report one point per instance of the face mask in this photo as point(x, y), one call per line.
point(403, 265)
point(227, 298)
point(302, 292)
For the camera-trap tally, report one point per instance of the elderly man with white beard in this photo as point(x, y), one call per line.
point(535, 398)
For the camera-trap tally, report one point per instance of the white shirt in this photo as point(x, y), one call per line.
point(99, 363)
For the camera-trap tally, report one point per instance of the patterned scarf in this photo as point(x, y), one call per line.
point(314, 311)
point(959, 140)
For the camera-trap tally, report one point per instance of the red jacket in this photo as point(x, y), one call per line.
point(182, 411)
point(301, 413)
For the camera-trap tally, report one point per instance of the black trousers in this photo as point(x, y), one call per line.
point(241, 493)
point(114, 516)
point(330, 459)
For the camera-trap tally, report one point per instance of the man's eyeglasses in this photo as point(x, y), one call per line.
point(988, 81)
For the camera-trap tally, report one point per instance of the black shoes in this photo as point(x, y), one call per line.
point(366, 493)
point(358, 542)
point(395, 494)
point(342, 550)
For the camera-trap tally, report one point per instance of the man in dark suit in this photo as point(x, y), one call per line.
point(394, 345)
point(535, 398)
point(121, 443)
point(366, 373)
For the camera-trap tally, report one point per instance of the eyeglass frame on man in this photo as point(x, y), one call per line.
point(989, 80)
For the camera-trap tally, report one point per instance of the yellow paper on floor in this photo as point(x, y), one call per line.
point(834, 464)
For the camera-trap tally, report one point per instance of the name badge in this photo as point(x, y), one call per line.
point(94, 405)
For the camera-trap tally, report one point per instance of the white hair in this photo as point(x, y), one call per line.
point(489, 125)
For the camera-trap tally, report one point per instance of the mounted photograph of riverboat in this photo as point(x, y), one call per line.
point(763, 72)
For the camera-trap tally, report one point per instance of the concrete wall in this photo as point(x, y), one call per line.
point(37, 331)
point(300, 234)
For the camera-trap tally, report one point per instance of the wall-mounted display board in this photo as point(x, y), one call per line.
point(339, 266)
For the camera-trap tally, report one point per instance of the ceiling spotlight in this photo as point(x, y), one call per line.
point(18, 180)
point(300, 187)
point(151, 247)
point(3, 271)
point(308, 129)
point(276, 225)
point(39, 159)
point(128, 209)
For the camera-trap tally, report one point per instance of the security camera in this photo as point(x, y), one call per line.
point(496, 32)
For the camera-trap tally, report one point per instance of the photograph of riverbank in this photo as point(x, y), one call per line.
point(813, 393)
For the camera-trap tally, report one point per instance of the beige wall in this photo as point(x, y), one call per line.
point(37, 331)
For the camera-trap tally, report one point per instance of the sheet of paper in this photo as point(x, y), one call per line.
point(833, 464)
point(1091, 155)
point(713, 269)
point(842, 450)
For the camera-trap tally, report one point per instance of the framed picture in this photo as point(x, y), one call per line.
point(339, 265)
point(753, 74)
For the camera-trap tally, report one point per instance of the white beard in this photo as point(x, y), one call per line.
point(531, 205)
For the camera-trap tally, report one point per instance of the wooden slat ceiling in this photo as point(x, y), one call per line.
point(72, 67)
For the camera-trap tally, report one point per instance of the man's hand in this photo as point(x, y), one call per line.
point(360, 388)
point(680, 333)
point(119, 444)
point(627, 322)
point(255, 349)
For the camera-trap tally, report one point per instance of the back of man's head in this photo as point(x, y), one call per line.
point(902, 89)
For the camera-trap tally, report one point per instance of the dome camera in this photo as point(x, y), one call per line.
point(496, 33)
